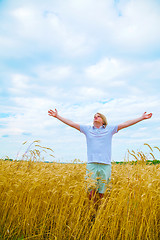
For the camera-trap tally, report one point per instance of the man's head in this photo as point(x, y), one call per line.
point(100, 119)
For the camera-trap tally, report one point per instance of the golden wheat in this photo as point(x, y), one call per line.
point(146, 144)
point(49, 201)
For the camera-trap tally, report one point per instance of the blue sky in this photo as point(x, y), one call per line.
point(81, 57)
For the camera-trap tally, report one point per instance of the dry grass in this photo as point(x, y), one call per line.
point(49, 201)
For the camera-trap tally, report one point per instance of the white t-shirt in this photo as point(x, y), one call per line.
point(99, 142)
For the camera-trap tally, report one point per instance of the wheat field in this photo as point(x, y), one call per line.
point(50, 201)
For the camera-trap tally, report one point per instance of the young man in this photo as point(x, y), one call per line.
point(99, 140)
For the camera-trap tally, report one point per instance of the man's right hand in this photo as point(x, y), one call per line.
point(64, 120)
point(53, 113)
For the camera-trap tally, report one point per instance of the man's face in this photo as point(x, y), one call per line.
point(98, 119)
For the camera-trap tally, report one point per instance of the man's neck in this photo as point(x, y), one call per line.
point(97, 125)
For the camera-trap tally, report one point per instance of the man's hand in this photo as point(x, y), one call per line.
point(134, 121)
point(146, 116)
point(53, 113)
point(64, 120)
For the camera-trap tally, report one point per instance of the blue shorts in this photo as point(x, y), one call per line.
point(98, 176)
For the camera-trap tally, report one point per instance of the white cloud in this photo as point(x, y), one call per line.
point(80, 57)
point(91, 94)
point(107, 70)
point(20, 84)
point(78, 28)
point(137, 27)
point(25, 15)
point(41, 28)
point(54, 73)
point(152, 69)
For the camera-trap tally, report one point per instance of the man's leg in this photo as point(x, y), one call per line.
point(104, 177)
point(100, 173)
point(92, 194)
point(91, 176)
point(101, 195)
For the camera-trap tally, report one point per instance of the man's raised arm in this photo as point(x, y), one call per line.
point(134, 121)
point(64, 120)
